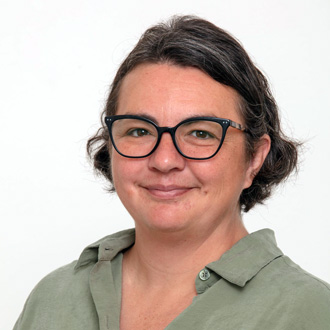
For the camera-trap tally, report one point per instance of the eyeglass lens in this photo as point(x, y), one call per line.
point(195, 139)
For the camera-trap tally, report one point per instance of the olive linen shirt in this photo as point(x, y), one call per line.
point(252, 286)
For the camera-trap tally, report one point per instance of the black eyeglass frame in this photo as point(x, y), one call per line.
point(225, 124)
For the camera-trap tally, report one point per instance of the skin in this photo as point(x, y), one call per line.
point(181, 207)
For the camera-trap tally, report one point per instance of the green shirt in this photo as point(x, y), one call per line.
point(252, 286)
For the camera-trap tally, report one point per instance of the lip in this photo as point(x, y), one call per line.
point(167, 192)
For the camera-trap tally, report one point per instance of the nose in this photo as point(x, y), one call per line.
point(166, 158)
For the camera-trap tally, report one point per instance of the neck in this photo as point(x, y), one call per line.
point(158, 256)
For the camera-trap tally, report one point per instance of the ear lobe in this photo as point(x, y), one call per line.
point(255, 163)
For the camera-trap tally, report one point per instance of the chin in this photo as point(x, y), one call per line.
point(165, 219)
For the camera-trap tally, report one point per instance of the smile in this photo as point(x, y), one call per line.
point(167, 192)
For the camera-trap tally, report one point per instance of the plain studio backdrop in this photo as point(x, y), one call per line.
point(57, 61)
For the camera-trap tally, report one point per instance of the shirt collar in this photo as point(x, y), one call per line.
point(247, 257)
point(106, 248)
point(238, 265)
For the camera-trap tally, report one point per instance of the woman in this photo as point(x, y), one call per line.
point(190, 138)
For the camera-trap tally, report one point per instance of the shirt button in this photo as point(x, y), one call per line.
point(204, 274)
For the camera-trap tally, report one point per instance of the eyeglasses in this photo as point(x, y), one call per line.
point(194, 138)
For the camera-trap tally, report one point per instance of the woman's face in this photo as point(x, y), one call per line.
point(166, 191)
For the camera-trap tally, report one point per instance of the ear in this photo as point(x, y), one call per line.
point(258, 158)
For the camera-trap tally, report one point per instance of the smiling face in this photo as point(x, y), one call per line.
point(166, 191)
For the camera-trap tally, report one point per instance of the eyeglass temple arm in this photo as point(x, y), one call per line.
point(238, 126)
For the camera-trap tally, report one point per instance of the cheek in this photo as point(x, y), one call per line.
point(125, 171)
point(210, 175)
point(119, 171)
point(224, 175)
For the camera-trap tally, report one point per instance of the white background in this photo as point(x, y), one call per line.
point(57, 61)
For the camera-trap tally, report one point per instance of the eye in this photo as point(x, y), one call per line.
point(138, 132)
point(202, 134)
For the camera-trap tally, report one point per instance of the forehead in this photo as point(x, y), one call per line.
point(173, 92)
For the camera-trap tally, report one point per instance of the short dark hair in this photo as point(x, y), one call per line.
point(189, 41)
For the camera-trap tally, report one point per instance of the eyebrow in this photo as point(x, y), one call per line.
point(144, 115)
point(152, 118)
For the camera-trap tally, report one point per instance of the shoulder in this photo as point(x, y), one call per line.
point(63, 299)
point(285, 295)
point(290, 275)
point(64, 280)
point(58, 300)
point(301, 297)
point(301, 281)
